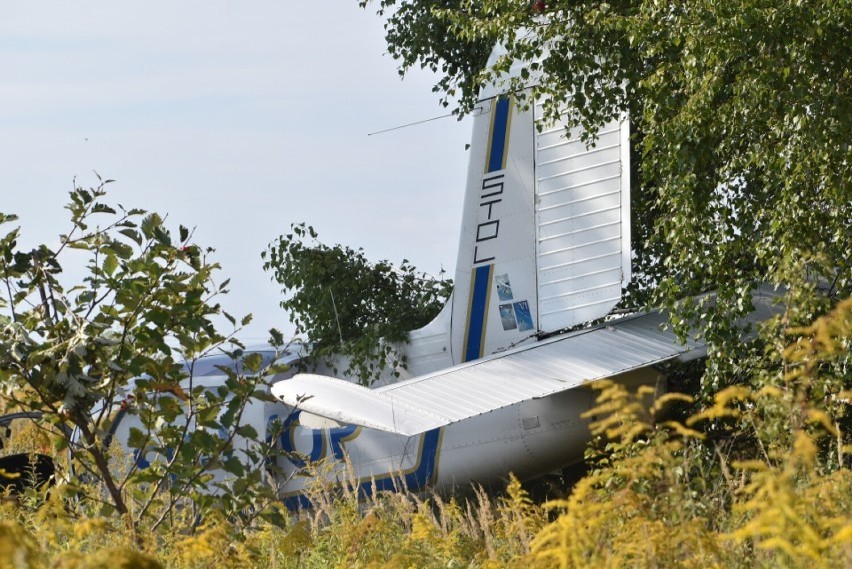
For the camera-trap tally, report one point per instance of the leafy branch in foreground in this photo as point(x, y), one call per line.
point(739, 113)
point(347, 305)
point(122, 342)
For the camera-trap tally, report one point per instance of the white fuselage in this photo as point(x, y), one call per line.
point(527, 439)
point(544, 246)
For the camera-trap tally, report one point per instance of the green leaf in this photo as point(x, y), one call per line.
point(253, 361)
point(207, 417)
point(248, 432)
point(233, 466)
point(150, 225)
point(132, 234)
point(110, 264)
point(102, 208)
point(276, 338)
point(136, 438)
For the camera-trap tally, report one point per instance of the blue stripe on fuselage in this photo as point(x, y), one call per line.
point(420, 477)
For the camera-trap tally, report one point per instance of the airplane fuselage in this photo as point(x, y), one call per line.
point(527, 439)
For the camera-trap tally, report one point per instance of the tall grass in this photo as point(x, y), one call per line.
point(758, 476)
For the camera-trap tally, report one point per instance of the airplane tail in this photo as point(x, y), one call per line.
point(545, 238)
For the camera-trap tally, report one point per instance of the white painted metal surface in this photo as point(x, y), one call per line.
point(551, 366)
point(582, 222)
point(494, 296)
point(545, 236)
point(548, 367)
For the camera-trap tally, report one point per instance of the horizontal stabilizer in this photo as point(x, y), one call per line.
point(423, 403)
point(347, 402)
point(558, 364)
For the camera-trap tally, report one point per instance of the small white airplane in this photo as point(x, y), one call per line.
point(545, 246)
point(494, 385)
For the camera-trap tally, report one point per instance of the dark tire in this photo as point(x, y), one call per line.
point(25, 470)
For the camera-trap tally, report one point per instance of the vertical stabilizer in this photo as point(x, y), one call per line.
point(495, 298)
point(545, 237)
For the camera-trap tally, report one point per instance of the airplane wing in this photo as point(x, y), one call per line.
point(557, 364)
point(422, 403)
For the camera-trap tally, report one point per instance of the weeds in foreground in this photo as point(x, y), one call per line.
point(758, 476)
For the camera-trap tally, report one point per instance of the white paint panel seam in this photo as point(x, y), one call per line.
point(561, 128)
point(579, 306)
point(583, 276)
point(589, 152)
point(581, 245)
point(578, 170)
point(580, 185)
point(577, 262)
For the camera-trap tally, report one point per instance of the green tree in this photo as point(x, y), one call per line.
point(740, 114)
point(347, 305)
point(418, 34)
point(124, 340)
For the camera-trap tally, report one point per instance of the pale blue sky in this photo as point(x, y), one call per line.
point(235, 118)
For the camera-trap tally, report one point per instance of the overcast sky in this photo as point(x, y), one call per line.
point(235, 118)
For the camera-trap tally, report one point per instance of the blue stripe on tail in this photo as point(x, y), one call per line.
point(475, 341)
point(499, 138)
